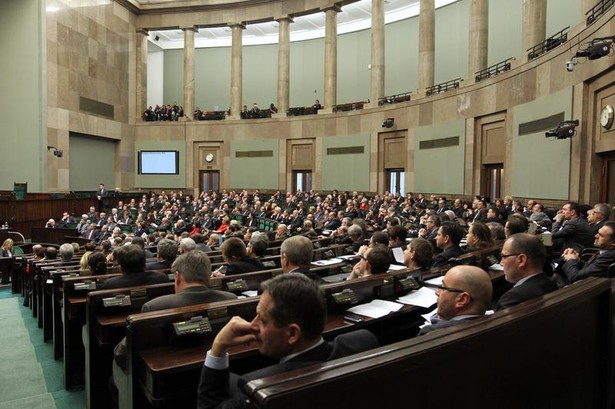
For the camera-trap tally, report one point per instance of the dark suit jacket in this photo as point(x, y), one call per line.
point(311, 275)
point(245, 265)
point(442, 258)
point(217, 391)
point(445, 324)
point(159, 265)
point(575, 233)
point(534, 287)
point(190, 296)
point(135, 279)
point(575, 270)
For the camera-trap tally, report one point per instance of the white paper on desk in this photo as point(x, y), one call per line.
point(394, 267)
point(369, 311)
point(423, 297)
point(496, 267)
point(435, 281)
point(348, 257)
point(328, 262)
point(250, 293)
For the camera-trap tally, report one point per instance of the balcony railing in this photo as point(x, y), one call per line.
point(493, 70)
point(395, 99)
point(443, 87)
point(598, 10)
point(550, 43)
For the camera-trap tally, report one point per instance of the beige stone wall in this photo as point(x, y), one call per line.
point(91, 54)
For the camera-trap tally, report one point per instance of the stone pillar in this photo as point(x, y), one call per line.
point(141, 73)
point(283, 65)
point(479, 36)
point(377, 70)
point(236, 71)
point(330, 59)
point(534, 22)
point(189, 72)
point(427, 28)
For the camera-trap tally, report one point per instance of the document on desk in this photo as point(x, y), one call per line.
point(496, 267)
point(376, 308)
point(435, 281)
point(423, 297)
point(348, 257)
point(250, 293)
point(328, 262)
point(395, 267)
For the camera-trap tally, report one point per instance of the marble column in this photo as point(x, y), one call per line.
point(377, 70)
point(283, 65)
point(427, 28)
point(534, 23)
point(330, 91)
point(236, 70)
point(141, 73)
point(479, 36)
point(189, 72)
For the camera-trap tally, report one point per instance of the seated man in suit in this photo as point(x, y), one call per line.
point(165, 256)
point(602, 213)
point(465, 294)
point(570, 230)
point(284, 328)
point(448, 238)
point(523, 257)
point(236, 255)
point(376, 259)
point(296, 255)
point(598, 265)
point(131, 259)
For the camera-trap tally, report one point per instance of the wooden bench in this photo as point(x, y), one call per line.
point(552, 352)
point(164, 372)
point(106, 312)
point(74, 314)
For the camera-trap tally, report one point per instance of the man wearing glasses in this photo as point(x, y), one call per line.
point(598, 264)
point(465, 294)
point(523, 257)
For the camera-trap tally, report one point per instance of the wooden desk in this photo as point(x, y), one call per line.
point(533, 348)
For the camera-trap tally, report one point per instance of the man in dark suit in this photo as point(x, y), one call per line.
point(284, 329)
point(570, 230)
point(296, 256)
point(236, 255)
point(448, 238)
point(465, 294)
point(131, 259)
point(523, 257)
point(598, 265)
point(602, 213)
point(166, 253)
point(101, 196)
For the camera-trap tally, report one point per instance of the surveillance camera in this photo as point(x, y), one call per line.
point(59, 153)
point(570, 65)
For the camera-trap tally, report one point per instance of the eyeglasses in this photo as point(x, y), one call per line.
point(444, 288)
point(510, 255)
point(362, 257)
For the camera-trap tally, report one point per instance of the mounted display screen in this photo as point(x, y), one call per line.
point(158, 162)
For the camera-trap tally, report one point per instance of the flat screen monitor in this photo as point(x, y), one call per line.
point(158, 162)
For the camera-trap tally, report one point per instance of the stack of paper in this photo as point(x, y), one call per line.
point(423, 297)
point(376, 308)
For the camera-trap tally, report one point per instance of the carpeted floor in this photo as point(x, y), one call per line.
point(30, 378)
